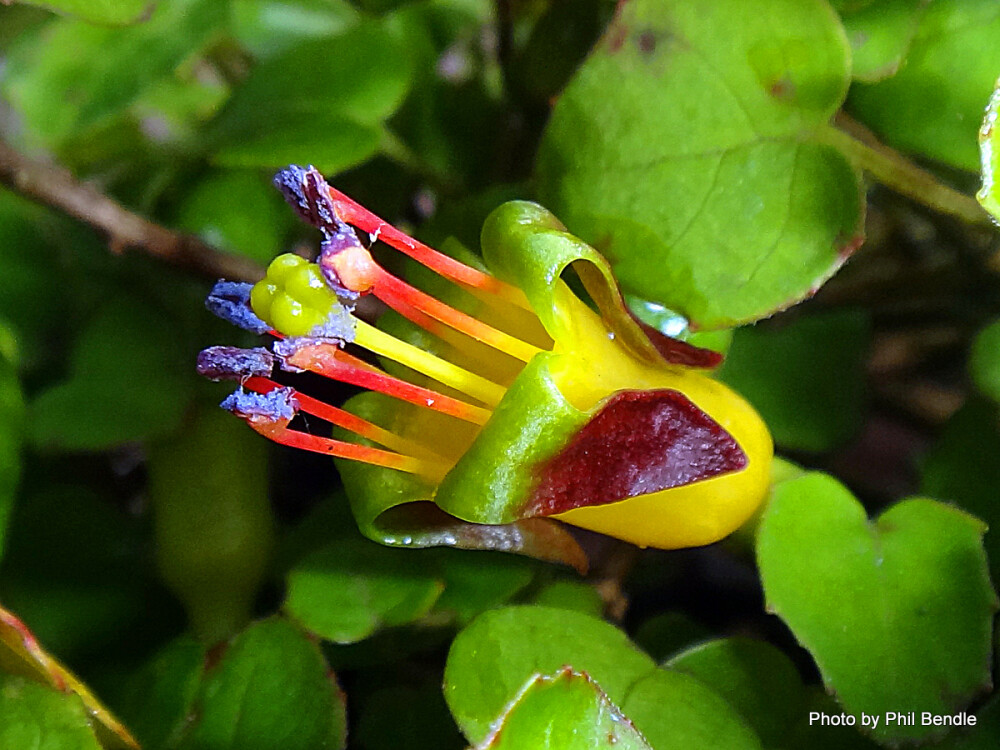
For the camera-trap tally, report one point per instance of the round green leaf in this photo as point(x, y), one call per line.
point(674, 711)
point(806, 378)
point(934, 104)
point(491, 660)
point(158, 700)
point(352, 588)
point(576, 595)
point(754, 677)
point(256, 228)
point(272, 688)
point(880, 35)
point(35, 716)
point(567, 711)
point(694, 164)
point(896, 613)
point(324, 103)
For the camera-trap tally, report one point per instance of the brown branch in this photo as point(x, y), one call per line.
point(57, 188)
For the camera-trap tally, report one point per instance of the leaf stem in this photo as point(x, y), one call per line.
point(895, 171)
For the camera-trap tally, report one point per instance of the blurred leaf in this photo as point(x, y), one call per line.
point(352, 588)
point(126, 383)
point(754, 677)
point(35, 716)
point(23, 657)
point(984, 361)
point(962, 468)
point(697, 167)
point(807, 734)
point(872, 601)
point(159, 699)
point(933, 106)
point(267, 27)
point(665, 634)
point(478, 580)
point(806, 378)
point(272, 688)
point(323, 102)
point(99, 11)
point(491, 659)
point(257, 229)
point(11, 437)
point(880, 34)
point(567, 711)
point(674, 711)
point(575, 595)
point(213, 523)
point(74, 76)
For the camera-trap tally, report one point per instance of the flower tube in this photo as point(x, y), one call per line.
point(503, 403)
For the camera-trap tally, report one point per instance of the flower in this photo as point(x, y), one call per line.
point(503, 401)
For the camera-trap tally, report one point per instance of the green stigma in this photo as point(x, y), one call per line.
point(293, 297)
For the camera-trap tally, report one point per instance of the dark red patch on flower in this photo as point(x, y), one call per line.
point(678, 352)
point(639, 442)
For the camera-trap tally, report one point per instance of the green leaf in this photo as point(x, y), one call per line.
point(880, 34)
point(754, 677)
point(674, 711)
point(212, 519)
point(157, 704)
point(984, 361)
point(128, 383)
point(491, 660)
point(698, 167)
point(961, 467)
point(665, 634)
point(111, 12)
point(805, 378)
point(11, 437)
point(350, 589)
point(22, 658)
point(477, 581)
point(267, 27)
point(575, 595)
point(272, 688)
point(989, 157)
point(333, 119)
point(256, 230)
point(567, 711)
point(76, 76)
point(872, 602)
point(985, 733)
point(934, 104)
point(35, 716)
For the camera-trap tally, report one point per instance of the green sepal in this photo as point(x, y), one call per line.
point(527, 246)
point(399, 509)
point(492, 482)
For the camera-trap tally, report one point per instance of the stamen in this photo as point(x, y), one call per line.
point(270, 412)
point(445, 265)
point(230, 300)
point(341, 418)
point(331, 362)
point(232, 363)
point(351, 266)
point(381, 343)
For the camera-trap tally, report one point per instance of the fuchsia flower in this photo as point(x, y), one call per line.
point(502, 401)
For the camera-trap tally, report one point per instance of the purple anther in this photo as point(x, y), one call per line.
point(306, 190)
point(230, 300)
point(275, 406)
point(233, 363)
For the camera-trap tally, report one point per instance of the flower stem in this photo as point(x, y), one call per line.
point(895, 171)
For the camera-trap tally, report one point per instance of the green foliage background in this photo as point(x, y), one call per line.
point(727, 157)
